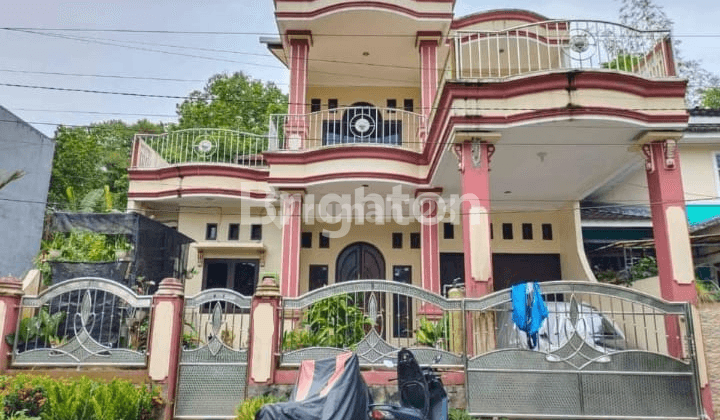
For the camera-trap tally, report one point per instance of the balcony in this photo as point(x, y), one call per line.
point(350, 126)
point(561, 45)
point(202, 145)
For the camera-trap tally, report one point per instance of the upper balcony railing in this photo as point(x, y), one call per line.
point(562, 45)
point(198, 145)
point(360, 125)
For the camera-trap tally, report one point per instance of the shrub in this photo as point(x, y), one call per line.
point(249, 408)
point(431, 333)
point(458, 414)
point(707, 292)
point(79, 399)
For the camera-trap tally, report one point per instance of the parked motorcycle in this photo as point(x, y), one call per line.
point(422, 394)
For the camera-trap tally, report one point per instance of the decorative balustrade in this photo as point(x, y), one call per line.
point(198, 145)
point(362, 125)
point(562, 45)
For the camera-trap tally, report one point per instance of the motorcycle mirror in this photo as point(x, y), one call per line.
point(388, 363)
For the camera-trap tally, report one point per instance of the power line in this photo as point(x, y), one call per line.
point(186, 32)
point(95, 112)
point(112, 76)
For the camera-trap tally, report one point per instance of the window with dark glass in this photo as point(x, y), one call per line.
point(415, 240)
point(448, 230)
point(408, 105)
point(306, 239)
point(233, 232)
point(211, 231)
point(324, 241)
point(318, 276)
point(332, 103)
point(402, 313)
point(507, 230)
point(238, 275)
point(547, 232)
point(315, 105)
point(527, 231)
point(392, 103)
point(255, 232)
point(397, 239)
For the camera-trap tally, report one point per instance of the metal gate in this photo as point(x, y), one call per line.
point(213, 362)
point(604, 352)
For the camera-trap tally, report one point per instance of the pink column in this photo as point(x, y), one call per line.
point(165, 338)
point(10, 296)
point(292, 223)
point(672, 242)
point(428, 43)
point(429, 243)
point(474, 162)
point(296, 126)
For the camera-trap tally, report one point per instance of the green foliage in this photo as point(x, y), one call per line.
point(234, 102)
point(707, 292)
point(337, 322)
point(431, 333)
point(249, 407)
point(81, 399)
point(42, 326)
point(85, 246)
point(94, 159)
point(645, 267)
point(711, 98)
point(458, 414)
point(623, 62)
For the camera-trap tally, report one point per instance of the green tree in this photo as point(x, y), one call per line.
point(89, 159)
point(711, 98)
point(234, 102)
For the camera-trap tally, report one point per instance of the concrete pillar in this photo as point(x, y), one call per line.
point(457, 330)
point(429, 242)
point(165, 339)
point(672, 238)
point(474, 162)
point(296, 126)
point(291, 229)
point(264, 332)
point(427, 43)
point(10, 296)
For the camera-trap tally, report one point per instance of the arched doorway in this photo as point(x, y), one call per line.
point(359, 261)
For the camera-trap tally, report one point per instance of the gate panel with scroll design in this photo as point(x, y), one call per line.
point(374, 318)
point(604, 352)
point(213, 361)
point(83, 322)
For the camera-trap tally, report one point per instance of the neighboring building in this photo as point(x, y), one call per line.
point(22, 202)
point(424, 104)
point(619, 211)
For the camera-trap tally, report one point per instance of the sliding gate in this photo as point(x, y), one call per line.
point(605, 352)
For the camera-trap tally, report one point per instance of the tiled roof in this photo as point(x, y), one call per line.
point(706, 224)
point(703, 128)
point(618, 212)
point(704, 112)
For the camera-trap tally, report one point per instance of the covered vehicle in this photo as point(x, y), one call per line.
point(326, 389)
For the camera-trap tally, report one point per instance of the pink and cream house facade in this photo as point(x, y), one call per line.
point(487, 129)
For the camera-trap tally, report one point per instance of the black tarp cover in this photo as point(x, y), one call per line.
point(328, 389)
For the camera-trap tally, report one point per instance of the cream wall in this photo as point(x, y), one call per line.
point(378, 235)
point(377, 96)
point(192, 222)
point(697, 165)
point(566, 241)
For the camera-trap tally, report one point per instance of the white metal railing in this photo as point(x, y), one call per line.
point(347, 126)
point(198, 145)
point(563, 45)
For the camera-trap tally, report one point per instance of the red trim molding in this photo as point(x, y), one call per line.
point(351, 152)
point(507, 14)
point(386, 176)
point(182, 192)
point(183, 171)
point(363, 5)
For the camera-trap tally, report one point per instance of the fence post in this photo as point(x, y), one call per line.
point(10, 296)
point(165, 337)
point(264, 331)
point(457, 329)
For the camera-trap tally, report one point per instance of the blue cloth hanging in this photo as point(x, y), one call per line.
point(529, 310)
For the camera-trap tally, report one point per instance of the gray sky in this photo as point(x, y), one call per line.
point(24, 52)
